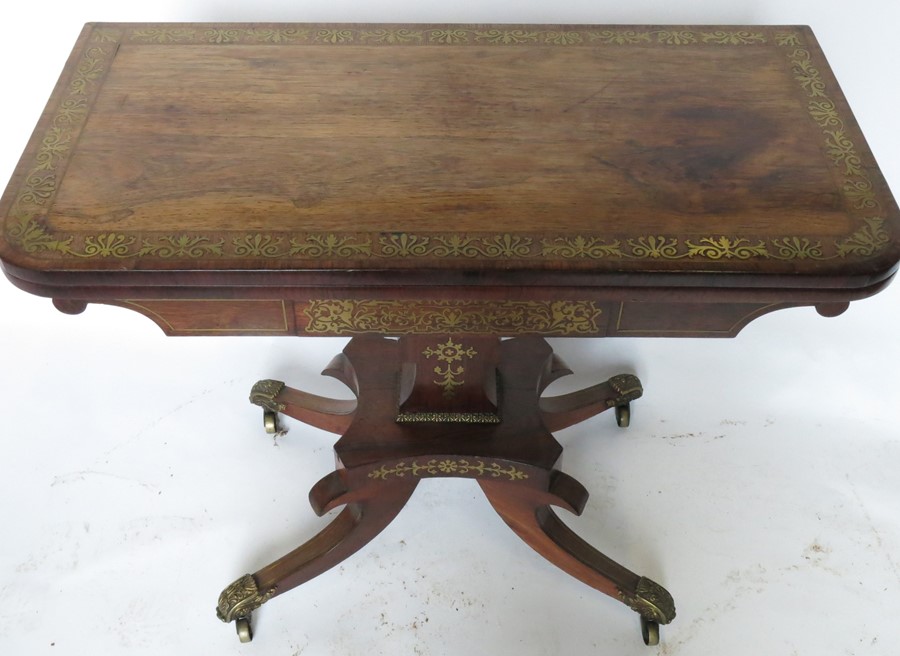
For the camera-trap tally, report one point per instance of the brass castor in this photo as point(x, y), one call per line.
point(245, 633)
point(270, 421)
point(649, 632)
point(623, 415)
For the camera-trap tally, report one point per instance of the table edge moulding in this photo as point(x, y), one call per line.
point(466, 194)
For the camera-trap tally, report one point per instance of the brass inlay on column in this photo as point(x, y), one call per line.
point(449, 353)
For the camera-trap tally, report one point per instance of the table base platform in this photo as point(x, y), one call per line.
point(430, 406)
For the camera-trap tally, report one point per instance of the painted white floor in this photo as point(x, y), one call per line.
point(758, 481)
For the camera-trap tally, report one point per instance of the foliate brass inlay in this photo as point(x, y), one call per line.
point(446, 36)
point(241, 598)
point(868, 240)
point(28, 230)
point(857, 188)
point(651, 601)
point(448, 467)
point(352, 317)
point(264, 392)
point(449, 353)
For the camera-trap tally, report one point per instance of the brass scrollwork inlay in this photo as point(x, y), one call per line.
point(164, 35)
point(840, 149)
point(650, 600)
point(352, 317)
point(445, 35)
point(392, 37)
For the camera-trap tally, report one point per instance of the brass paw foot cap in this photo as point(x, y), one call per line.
point(628, 388)
point(264, 392)
point(650, 600)
point(241, 598)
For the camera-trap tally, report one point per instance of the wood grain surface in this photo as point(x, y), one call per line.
point(286, 157)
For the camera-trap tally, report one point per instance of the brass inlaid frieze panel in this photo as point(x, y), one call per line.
point(350, 317)
point(449, 467)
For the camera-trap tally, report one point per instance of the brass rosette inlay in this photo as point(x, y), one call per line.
point(241, 598)
point(650, 600)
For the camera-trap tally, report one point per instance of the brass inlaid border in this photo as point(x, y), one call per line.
point(27, 229)
point(446, 35)
point(351, 317)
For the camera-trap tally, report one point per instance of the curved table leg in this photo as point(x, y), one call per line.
point(332, 415)
point(527, 513)
point(352, 529)
point(566, 410)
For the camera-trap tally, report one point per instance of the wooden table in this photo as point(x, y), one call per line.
point(448, 186)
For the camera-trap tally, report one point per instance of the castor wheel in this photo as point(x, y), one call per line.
point(245, 633)
point(623, 415)
point(270, 421)
point(649, 632)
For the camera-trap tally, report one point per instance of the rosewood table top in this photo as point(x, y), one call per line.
point(342, 179)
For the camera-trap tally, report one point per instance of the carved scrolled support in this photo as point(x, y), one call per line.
point(562, 411)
